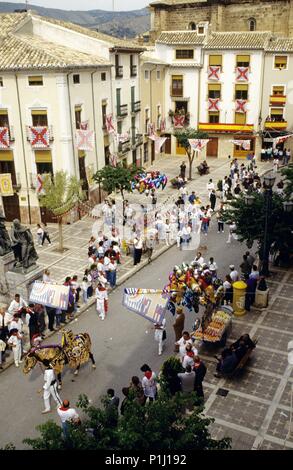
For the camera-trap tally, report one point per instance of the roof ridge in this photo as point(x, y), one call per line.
point(34, 46)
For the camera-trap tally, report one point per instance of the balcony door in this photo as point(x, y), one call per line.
point(212, 148)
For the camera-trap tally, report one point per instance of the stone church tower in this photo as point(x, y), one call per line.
point(223, 15)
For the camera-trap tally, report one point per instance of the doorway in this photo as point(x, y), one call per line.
point(212, 148)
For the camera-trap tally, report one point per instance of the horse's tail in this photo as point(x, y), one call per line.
point(88, 341)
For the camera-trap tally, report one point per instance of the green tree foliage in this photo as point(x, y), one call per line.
point(182, 136)
point(288, 180)
point(162, 425)
point(61, 194)
point(116, 178)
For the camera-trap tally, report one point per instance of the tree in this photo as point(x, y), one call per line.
point(162, 425)
point(250, 223)
point(61, 194)
point(182, 136)
point(117, 178)
point(288, 180)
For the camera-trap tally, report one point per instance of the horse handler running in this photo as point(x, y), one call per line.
point(50, 388)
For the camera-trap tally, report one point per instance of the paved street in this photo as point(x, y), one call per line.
point(256, 409)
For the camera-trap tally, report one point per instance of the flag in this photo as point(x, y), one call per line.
point(179, 121)
point(113, 160)
point(39, 184)
point(84, 125)
point(39, 137)
point(109, 124)
point(4, 138)
point(148, 303)
point(241, 106)
point(281, 139)
point(163, 125)
point(123, 137)
point(159, 142)
point(245, 144)
point(85, 139)
point(214, 72)
point(214, 104)
point(6, 188)
point(151, 130)
point(242, 74)
point(198, 144)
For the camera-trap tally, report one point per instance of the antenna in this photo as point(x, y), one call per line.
point(113, 5)
point(26, 4)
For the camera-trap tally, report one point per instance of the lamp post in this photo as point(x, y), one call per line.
point(269, 181)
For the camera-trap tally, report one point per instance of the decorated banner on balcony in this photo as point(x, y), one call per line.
point(39, 137)
point(4, 138)
point(6, 188)
point(50, 295)
point(121, 138)
point(242, 74)
point(85, 140)
point(113, 160)
point(179, 121)
point(198, 144)
point(241, 106)
point(148, 303)
point(159, 142)
point(84, 125)
point(214, 72)
point(109, 124)
point(39, 188)
point(214, 104)
point(281, 139)
point(151, 130)
point(245, 144)
point(163, 125)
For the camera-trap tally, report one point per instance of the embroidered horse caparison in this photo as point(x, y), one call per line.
point(75, 350)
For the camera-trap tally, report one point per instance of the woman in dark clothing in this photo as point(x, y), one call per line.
point(33, 324)
point(125, 401)
point(200, 372)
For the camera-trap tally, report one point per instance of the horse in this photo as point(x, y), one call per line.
point(74, 350)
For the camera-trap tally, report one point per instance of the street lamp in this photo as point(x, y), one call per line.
point(288, 206)
point(269, 181)
point(248, 200)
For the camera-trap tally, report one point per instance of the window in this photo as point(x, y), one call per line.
point(184, 53)
point(119, 127)
point(145, 152)
point(181, 107)
point(240, 118)
point(278, 90)
point(177, 85)
point(1, 81)
point(77, 113)
point(277, 114)
point(241, 92)
point(192, 26)
point(103, 76)
point(215, 60)
point(281, 62)
point(39, 117)
point(214, 117)
point(118, 68)
point(200, 30)
point(242, 61)
point(35, 80)
point(147, 120)
point(133, 67)
point(43, 159)
point(158, 116)
point(146, 74)
point(118, 99)
point(76, 78)
point(214, 90)
point(104, 113)
point(158, 74)
point(252, 24)
point(4, 122)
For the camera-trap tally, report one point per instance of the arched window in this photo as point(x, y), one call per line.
point(252, 24)
point(192, 26)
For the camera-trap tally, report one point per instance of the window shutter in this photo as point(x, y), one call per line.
point(214, 87)
point(43, 156)
point(39, 112)
point(215, 60)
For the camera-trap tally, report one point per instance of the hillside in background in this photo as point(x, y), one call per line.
point(118, 23)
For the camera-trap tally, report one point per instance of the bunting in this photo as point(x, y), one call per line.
point(241, 106)
point(281, 139)
point(85, 140)
point(4, 138)
point(39, 137)
point(214, 104)
point(179, 121)
point(159, 142)
point(214, 72)
point(109, 124)
point(245, 144)
point(198, 144)
point(242, 74)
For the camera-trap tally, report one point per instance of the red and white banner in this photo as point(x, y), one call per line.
point(151, 130)
point(214, 72)
point(113, 160)
point(214, 104)
point(123, 137)
point(109, 124)
point(84, 125)
point(159, 142)
point(198, 144)
point(85, 140)
point(281, 139)
point(163, 125)
point(241, 106)
point(179, 121)
point(39, 137)
point(39, 184)
point(245, 144)
point(242, 74)
point(4, 138)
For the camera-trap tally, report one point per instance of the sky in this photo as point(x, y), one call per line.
point(120, 5)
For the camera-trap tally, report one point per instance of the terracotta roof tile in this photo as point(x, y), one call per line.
point(181, 37)
point(232, 40)
point(280, 45)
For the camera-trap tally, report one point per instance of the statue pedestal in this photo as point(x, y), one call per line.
point(21, 283)
point(6, 264)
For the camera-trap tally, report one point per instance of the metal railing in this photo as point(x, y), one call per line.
point(133, 70)
point(122, 110)
point(136, 106)
point(124, 147)
point(119, 71)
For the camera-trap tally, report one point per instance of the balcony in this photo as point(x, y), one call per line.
point(124, 147)
point(176, 92)
point(277, 100)
point(7, 136)
point(218, 127)
point(136, 107)
point(40, 137)
point(119, 71)
point(133, 70)
point(122, 110)
point(136, 140)
point(279, 125)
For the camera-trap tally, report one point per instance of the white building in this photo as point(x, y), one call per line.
point(58, 80)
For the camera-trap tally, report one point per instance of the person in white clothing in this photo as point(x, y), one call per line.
point(186, 339)
point(17, 305)
point(160, 334)
point(199, 259)
point(15, 342)
point(233, 273)
point(168, 232)
point(101, 300)
point(16, 323)
point(67, 415)
point(149, 385)
point(189, 355)
point(50, 388)
point(46, 276)
point(210, 186)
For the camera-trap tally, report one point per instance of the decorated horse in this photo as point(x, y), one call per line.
point(74, 351)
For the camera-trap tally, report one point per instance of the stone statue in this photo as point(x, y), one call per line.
point(5, 242)
point(23, 245)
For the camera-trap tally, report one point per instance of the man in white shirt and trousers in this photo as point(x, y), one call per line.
point(50, 388)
